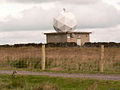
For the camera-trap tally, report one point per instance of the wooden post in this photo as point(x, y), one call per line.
point(43, 56)
point(101, 62)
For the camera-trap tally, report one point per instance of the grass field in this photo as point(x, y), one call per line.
point(8, 82)
point(64, 59)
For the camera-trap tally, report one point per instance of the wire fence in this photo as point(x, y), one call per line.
point(63, 59)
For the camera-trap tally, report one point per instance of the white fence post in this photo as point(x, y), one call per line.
point(43, 56)
point(101, 62)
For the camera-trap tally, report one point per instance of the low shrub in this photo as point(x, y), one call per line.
point(19, 64)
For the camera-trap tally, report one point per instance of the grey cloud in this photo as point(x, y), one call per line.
point(104, 35)
point(33, 19)
point(66, 1)
point(98, 35)
point(88, 16)
point(97, 16)
point(21, 37)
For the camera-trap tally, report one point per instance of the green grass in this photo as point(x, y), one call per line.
point(7, 82)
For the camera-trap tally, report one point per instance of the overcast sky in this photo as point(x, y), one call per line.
point(25, 21)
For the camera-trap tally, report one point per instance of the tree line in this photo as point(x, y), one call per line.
point(66, 44)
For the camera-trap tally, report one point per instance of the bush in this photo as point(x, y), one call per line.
point(65, 44)
point(19, 63)
point(116, 66)
point(98, 44)
point(26, 63)
point(37, 64)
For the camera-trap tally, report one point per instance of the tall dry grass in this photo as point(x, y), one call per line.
point(62, 58)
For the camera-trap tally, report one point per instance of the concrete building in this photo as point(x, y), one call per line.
point(65, 24)
point(80, 38)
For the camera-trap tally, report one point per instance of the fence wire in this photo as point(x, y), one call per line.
point(63, 59)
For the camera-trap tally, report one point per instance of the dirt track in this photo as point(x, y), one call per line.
point(67, 75)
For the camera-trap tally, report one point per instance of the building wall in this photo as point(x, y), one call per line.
point(84, 38)
point(56, 38)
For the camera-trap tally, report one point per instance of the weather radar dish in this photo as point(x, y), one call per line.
point(65, 22)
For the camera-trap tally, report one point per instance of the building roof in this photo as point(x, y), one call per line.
point(67, 33)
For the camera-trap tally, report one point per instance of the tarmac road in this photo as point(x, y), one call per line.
point(66, 75)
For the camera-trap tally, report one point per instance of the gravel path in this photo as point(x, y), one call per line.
point(67, 75)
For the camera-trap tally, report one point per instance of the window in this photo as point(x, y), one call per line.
point(68, 36)
point(71, 36)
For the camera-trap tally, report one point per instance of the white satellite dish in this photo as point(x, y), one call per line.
point(65, 22)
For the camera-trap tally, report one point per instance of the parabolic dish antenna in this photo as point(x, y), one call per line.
point(65, 22)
